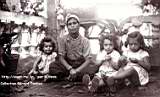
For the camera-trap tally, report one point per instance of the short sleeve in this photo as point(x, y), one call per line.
point(86, 48)
point(54, 54)
point(61, 46)
point(100, 56)
point(144, 54)
point(125, 53)
point(115, 56)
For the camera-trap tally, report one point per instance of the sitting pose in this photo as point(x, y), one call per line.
point(134, 62)
point(74, 51)
point(42, 64)
point(107, 59)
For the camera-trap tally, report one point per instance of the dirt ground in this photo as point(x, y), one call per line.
point(61, 88)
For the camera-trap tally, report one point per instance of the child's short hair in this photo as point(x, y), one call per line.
point(110, 37)
point(46, 39)
point(136, 35)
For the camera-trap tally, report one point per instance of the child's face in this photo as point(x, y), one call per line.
point(134, 45)
point(108, 46)
point(47, 48)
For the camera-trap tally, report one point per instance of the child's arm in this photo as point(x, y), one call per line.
point(145, 63)
point(54, 55)
point(100, 58)
point(99, 62)
point(35, 65)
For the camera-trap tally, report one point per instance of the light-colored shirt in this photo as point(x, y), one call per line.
point(73, 49)
point(106, 65)
point(138, 55)
point(142, 73)
point(45, 62)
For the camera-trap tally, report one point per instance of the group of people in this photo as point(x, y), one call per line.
point(110, 66)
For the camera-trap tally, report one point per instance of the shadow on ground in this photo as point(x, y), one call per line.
point(61, 88)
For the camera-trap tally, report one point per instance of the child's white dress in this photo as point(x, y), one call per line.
point(46, 60)
point(106, 67)
point(142, 73)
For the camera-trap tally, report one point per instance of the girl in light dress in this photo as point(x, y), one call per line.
point(42, 64)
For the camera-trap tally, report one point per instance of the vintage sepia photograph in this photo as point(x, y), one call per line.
point(79, 48)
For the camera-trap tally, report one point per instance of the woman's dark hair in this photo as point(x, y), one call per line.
point(138, 36)
point(112, 38)
point(72, 18)
point(47, 39)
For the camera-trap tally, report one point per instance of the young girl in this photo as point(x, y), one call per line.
point(42, 63)
point(108, 61)
point(134, 62)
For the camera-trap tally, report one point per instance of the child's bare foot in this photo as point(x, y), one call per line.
point(86, 80)
point(94, 85)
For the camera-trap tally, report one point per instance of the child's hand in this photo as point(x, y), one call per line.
point(122, 61)
point(31, 72)
point(103, 75)
point(123, 58)
point(134, 60)
point(107, 57)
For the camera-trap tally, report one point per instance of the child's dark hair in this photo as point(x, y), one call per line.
point(136, 35)
point(112, 38)
point(47, 39)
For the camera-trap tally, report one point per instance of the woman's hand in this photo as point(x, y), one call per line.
point(73, 74)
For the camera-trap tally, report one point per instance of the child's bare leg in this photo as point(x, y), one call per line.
point(130, 73)
point(124, 73)
point(95, 83)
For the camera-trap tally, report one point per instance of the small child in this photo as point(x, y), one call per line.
point(134, 62)
point(108, 61)
point(42, 63)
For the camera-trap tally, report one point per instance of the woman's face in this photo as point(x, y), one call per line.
point(73, 26)
point(134, 45)
point(108, 46)
point(48, 48)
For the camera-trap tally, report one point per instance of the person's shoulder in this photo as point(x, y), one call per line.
point(102, 52)
point(63, 38)
point(143, 52)
point(84, 39)
point(54, 54)
point(115, 52)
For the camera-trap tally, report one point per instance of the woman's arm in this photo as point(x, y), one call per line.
point(85, 64)
point(64, 63)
